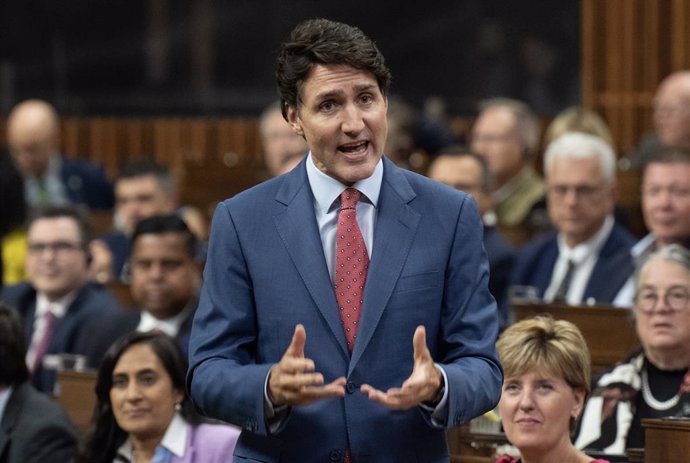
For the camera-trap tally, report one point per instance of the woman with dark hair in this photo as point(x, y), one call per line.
point(13, 212)
point(142, 412)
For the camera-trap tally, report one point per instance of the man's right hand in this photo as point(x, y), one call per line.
point(292, 381)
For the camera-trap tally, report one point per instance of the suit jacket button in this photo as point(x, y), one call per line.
point(350, 387)
point(336, 455)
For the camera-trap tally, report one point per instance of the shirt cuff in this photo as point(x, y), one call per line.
point(439, 414)
point(275, 416)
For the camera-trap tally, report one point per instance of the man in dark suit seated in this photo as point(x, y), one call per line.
point(33, 137)
point(580, 262)
point(33, 428)
point(665, 209)
point(166, 277)
point(57, 301)
point(459, 168)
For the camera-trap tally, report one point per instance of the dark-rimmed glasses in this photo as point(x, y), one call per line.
point(675, 298)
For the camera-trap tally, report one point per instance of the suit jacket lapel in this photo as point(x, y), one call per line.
point(396, 225)
point(296, 225)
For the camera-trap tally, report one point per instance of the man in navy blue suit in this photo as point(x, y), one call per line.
point(580, 262)
point(278, 348)
point(57, 302)
point(458, 167)
point(33, 137)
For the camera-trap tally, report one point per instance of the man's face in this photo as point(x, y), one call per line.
point(495, 136)
point(31, 147)
point(462, 173)
point(579, 198)
point(56, 263)
point(342, 115)
point(283, 148)
point(672, 111)
point(666, 201)
point(164, 274)
point(138, 198)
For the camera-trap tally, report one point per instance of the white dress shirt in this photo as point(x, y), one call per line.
point(174, 440)
point(584, 256)
point(52, 183)
point(170, 326)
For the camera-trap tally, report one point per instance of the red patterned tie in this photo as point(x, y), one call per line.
point(351, 265)
point(44, 342)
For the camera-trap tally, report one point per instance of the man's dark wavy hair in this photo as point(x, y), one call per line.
point(321, 41)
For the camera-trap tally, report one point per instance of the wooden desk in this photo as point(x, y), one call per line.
point(77, 396)
point(609, 331)
point(666, 440)
point(468, 447)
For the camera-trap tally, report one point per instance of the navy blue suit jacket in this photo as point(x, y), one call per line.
point(86, 183)
point(266, 272)
point(535, 262)
point(70, 335)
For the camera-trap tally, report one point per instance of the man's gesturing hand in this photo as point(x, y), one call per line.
point(292, 381)
point(423, 385)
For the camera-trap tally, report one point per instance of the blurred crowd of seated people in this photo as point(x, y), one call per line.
point(551, 223)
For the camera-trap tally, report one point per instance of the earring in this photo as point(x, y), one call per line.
point(178, 406)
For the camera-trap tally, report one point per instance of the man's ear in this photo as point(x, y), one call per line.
point(294, 120)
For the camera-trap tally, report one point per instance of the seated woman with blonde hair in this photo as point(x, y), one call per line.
point(143, 414)
point(547, 378)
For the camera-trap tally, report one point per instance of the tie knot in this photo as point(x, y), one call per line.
point(349, 198)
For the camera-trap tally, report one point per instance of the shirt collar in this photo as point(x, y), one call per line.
point(174, 439)
point(326, 189)
point(58, 308)
point(590, 247)
point(170, 326)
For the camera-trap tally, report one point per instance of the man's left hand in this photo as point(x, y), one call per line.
point(423, 385)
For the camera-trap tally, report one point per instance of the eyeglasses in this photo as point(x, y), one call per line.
point(581, 191)
point(675, 298)
point(56, 247)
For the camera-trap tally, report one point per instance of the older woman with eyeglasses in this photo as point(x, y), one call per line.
point(655, 382)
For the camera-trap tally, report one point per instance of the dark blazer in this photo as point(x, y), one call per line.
point(103, 332)
point(120, 247)
point(34, 429)
point(501, 255)
point(535, 261)
point(70, 337)
point(86, 183)
point(266, 273)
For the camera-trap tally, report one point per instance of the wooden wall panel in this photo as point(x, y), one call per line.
point(628, 47)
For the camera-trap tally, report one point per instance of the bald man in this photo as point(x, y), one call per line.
point(671, 117)
point(33, 138)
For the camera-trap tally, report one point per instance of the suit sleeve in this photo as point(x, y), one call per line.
point(469, 324)
point(224, 379)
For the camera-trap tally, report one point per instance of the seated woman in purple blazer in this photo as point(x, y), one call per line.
point(143, 413)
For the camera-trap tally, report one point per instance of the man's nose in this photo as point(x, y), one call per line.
point(353, 123)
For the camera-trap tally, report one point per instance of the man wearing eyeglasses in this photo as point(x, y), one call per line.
point(57, 301)
point(577, 264)
point(665, 210)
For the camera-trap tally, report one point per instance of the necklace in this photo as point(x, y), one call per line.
point(651, 401)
